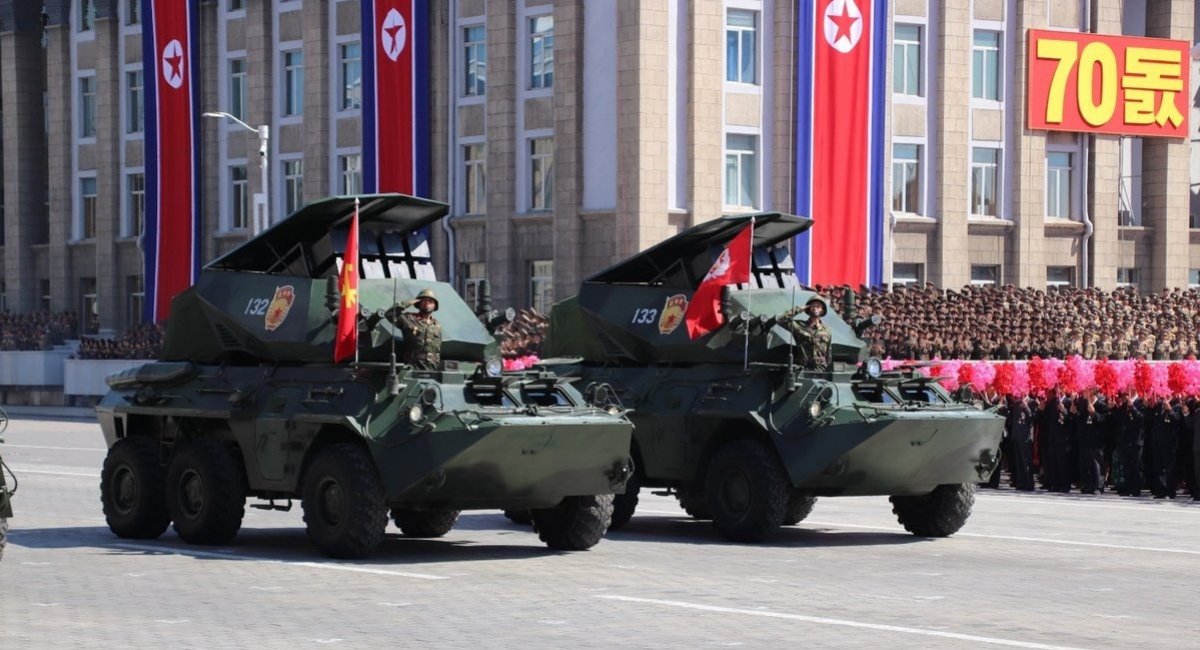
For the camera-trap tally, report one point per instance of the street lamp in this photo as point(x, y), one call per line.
point(262, 202)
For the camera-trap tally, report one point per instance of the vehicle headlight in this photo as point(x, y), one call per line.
point(815, 409)
point(874, 368)
point(416, 413)
point(493, 367)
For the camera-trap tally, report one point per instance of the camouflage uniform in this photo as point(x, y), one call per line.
point(813, 337)
point(422, 344)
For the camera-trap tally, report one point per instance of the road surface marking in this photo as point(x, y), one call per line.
point(8, 446)
point(839, 622)
point(20, 471)
point(311, 565)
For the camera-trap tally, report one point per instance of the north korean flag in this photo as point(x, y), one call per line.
point(171, 243)
point(395, 36)
point(840, 102)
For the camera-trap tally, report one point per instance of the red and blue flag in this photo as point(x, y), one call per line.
point(840, 102)
point(171, 242)
point(396, 68)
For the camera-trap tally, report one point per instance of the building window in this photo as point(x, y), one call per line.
point(475, 179)
point(133, 12)
point(87, 15)
point(237, 88)
point(87, 107)
point(541, 174)
point(905, 274)
point(293, 185)
point(741, 170)
point(906, 178)
point(351, 72)
point(237, 5)
point(90, 305)
point(239, 197)
point(985, 275)
point(136, 120)
point(906, 53)
point(1194, 278)
point(474, 61)
point(1058, 184)
point(135, 210)
point(135, 288)
point(541, 52)
point(473, 277)
point(1060, 276)
point(87, 208)
point(293, 83)
point(741, 46)
point(985, 65)
point(44, 287)
point(541, 286)
point(1128, 278)
point(985, 176)
point(350, 166)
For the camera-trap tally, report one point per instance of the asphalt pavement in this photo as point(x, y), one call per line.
point(1029, 571)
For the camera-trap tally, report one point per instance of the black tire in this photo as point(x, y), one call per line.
point(800, 506)
point(694, 502)
point(940, 513)
point(343, 502)
point(424, 523)
point(3, 535)
point(747, 491)
point(624, 505)
point(519, 517)
point(206, 491)
point(133, 489)
point(576, 523)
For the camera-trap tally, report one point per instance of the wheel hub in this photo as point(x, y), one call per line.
point(191, 493)
point(330, 502)
point(124, 490)
point(735, 492)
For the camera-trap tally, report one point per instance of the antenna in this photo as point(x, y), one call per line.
point(791, 336)
point(393, 380)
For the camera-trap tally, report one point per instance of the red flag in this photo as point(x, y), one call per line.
point(346, 341)
point(703, 313)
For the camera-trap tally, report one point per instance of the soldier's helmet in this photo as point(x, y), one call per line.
point(428, 293)
point(820, 303)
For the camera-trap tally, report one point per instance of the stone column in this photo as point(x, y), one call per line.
point(706, 98)
point(60, 100)
point(502, 268)
point(1027, 260)
point(109, 128)
point(319, 63)
point(441, 97)
point(1104, 183)
point(22, 72)
point(260, 105)
point(569, 157)
point(1165, 168)
point(950, 144)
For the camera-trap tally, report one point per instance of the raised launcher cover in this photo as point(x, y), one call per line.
point(268, 300)
point(633, 312)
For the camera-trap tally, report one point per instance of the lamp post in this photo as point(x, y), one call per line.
point(262, 201)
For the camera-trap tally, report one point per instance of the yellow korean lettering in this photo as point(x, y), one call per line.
point(1153, 77)
point(1066, 53)
point(1097, 55)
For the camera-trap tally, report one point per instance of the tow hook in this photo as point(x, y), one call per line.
point(620, 473)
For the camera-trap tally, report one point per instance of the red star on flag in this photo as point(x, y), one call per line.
point(393, 30)
point(174, 61)
point(844, 22)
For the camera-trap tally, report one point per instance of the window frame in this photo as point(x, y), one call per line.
point(1072, 180)
point(546, 281)
point(341, 158)
point(478, 90)
point(292, 184)
point(998, 59)
point(237, 80)
point(1060, 284)
point(547, 195)
point(995, 282)
point(86, 15)
point(997, 180)
point(133, 13)
point(81, 224)
point(907, 44)
point(545, 79)
point(741, 31)
point(345, 92)
point(135, 122)
point(129, 229)
point(231, 221)
point(739, 158)
point(917, 279)
point(291, 76)
point(480, 184)
point(920, 165)
point(86, 127)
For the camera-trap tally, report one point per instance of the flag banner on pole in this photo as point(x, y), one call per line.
point(395, 81)
point(703, 313)
point(345, 341)
point(841, 72)
point(171, 242)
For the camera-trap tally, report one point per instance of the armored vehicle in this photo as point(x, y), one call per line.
point(733, 426)
point(246, 402)
point(6, 491)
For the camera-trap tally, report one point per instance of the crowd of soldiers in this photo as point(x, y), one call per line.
point(1129, 444)
point(143, 342)
point(39, 330)
point(985, 322)
point(521, 339)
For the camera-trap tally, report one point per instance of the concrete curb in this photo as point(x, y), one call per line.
point(51, 412)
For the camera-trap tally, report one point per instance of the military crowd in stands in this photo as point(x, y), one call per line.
point(39, 330)
point(976, 322)
point(143, 342)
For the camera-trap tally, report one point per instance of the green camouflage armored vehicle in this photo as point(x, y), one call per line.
point(733, 426)
point(246, 402)
point(6, 491)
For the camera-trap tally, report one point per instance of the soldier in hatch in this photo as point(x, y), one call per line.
point(422, 344)
point(812, 336)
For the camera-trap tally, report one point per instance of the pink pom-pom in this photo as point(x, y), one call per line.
point(1160, 380)
point(1191, 373)
point(983, 374)
point(1124, 370)
point(949, 374)
point(1020, 380)
point(1075, 375)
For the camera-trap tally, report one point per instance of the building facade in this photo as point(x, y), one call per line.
point(568, 134)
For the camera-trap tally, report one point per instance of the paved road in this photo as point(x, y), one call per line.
point(1033, 571)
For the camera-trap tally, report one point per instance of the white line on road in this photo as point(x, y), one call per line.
point(1172, 508)
point(21, 470)
point(838, 622)
point(100, 449)
point(310, 565)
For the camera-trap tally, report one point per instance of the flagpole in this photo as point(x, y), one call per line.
point(359, 293)
point(749, 295)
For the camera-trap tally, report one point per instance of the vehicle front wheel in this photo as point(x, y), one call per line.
point(133, 489)
point(694, 502)
point(206, 491)
point(800, 506)
point(747, 491)
point(576, 523)
point(624, 505)
point(519, 517)
point(424, 523)
point(343, 502)
point(940, 513)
